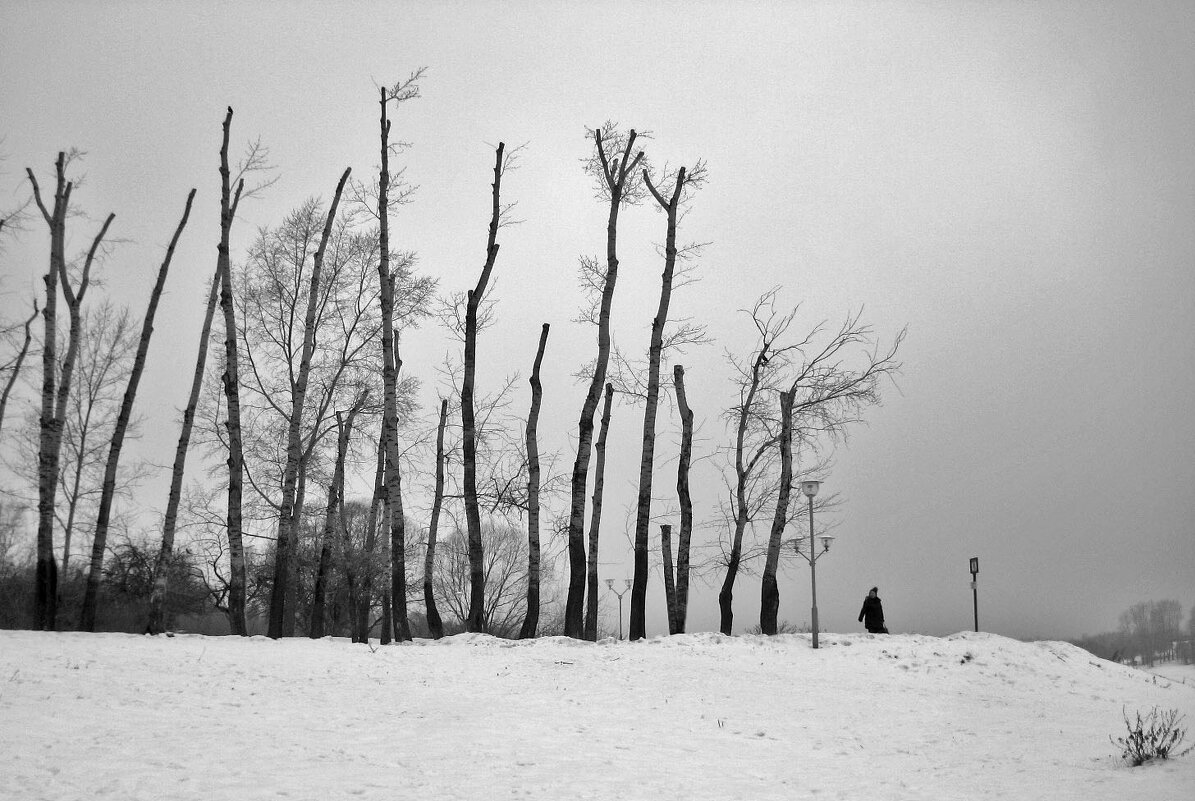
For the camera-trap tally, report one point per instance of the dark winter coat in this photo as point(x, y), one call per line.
point(872, 615)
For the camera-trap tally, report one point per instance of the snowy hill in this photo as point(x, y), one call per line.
point(700, 716)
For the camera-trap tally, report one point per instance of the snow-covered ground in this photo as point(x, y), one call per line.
point(1175, 671)
point(700, 716)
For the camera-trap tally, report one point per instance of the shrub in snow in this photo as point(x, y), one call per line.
point(1155, 736)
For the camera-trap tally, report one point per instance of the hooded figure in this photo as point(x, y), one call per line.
point(872, 613)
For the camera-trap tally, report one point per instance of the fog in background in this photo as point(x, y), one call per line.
point(1014, 182)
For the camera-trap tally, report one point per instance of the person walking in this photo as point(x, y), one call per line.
point(872, 613)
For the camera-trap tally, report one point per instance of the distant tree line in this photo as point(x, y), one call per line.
point(1150, 632)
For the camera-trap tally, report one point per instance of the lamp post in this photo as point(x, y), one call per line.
point(809, 489)
point(975, 589)
point(610, 586)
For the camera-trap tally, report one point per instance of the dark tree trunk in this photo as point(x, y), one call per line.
point(743, 468)
point(157, 601)
point(288, 515)
point(390, 365)
point(531, 618)
point(669, 575)
point(595, 521)
point(232, 394)
point(769, 599)
point(434, 624)
point(476, 618)
point(16, 365)
point(50, 434)
point(364, 601)
point(686, 502)
point(615, 176)
point(638, 623)
point(108, 492)
point(344, 432)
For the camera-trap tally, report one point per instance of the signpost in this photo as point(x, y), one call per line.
point(975, 588)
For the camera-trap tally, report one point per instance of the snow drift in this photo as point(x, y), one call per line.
point(698, 716)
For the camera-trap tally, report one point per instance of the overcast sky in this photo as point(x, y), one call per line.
point(1015, 182)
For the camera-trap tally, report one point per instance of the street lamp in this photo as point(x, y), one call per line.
point(610, 586)
point(809, 489)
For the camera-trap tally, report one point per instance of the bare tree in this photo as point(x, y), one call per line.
point(229, 200)
point(468, 423)
point(87, 616)
point(434, 623)
point(671, 206)
point(170, 519)
point(616, 182)
point(685, 501)
point(54, 391)
point(401, 92)
point(288, 516)
point(830, 394)
point(769, 602)
point(531, 621)
point(15, 364)
point(595, 520)
point(333, 518)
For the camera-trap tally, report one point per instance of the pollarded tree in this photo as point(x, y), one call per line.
point(615, 167)
point(108, 493)
point(55, 387)
point(683, 182)
point(157, 600)
point(396, 95)
point(531, 434)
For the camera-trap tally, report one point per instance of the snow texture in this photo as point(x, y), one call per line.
point(699, 716)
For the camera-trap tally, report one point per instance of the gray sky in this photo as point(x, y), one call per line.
point(1013, 181)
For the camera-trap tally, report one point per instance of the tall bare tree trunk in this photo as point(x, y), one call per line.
point(344, 432)
point(769, 598)
point(686, 502)
point(16, 365)
point(157, 601)
point(108, 491)
point(743, 468)
point(531, 617)
point(434, 623)
point(364, 602)
point(390, 364)
point(595, 521)
point(288, 515)
point(232, 394)
point(476, 619)
point(50, 434)
point(638, 623)
point(669, 575)
point(614, 176)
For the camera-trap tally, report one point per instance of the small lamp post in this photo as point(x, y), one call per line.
point(610, 586)
point(975, 588)
point(811, 555)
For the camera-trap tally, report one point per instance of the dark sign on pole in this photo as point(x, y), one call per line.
point(974, 565)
